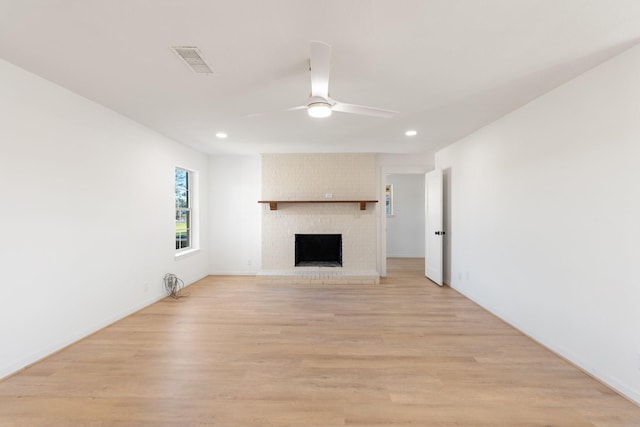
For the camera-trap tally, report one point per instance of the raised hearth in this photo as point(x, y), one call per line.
point(319, 277)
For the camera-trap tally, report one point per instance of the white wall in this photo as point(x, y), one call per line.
point(545, 216)
point(88, 217)
point(235, 224)
point(406, 163)
point(405, 229)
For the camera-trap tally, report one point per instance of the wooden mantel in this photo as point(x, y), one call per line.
point(273, 204)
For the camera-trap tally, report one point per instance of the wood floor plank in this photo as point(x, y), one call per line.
point(237, 352)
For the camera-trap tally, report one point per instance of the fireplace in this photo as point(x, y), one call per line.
point(319, 250)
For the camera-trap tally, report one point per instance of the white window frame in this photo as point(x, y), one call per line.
point(190, 209)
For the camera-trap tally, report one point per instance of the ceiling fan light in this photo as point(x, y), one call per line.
point(319, 109)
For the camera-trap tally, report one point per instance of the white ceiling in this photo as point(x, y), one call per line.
point(448, 66)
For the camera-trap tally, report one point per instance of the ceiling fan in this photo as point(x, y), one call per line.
point(320, 104)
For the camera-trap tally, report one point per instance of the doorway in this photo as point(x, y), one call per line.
point(403, 227)
point(448, 206)
point(405, 216)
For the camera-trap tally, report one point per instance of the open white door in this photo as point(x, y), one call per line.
point(433, 226)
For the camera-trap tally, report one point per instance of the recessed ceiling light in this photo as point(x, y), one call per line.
point(411, 132)
point(221, 135)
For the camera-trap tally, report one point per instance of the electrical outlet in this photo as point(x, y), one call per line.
point(328, 196)
point(146, 286)
point(249, 262)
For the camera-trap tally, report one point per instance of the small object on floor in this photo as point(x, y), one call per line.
point(173, 285)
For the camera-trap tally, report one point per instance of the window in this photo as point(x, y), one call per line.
point(184, 206)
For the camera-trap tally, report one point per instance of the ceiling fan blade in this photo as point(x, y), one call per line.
point(362, 110)
point(299, 107)
point(319, 65)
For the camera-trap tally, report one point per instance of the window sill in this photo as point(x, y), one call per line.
point(186, 253)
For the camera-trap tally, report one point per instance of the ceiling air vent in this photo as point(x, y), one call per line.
point(193, 58)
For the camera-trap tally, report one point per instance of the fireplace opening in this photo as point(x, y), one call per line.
point(319, 250)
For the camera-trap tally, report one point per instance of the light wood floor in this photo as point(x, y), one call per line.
point(238, 353)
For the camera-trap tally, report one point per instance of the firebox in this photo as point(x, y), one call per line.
point(320, 250)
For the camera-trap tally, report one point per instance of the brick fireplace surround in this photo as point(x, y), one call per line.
point(320, 177)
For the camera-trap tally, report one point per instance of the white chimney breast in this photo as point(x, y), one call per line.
point(311, 177)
